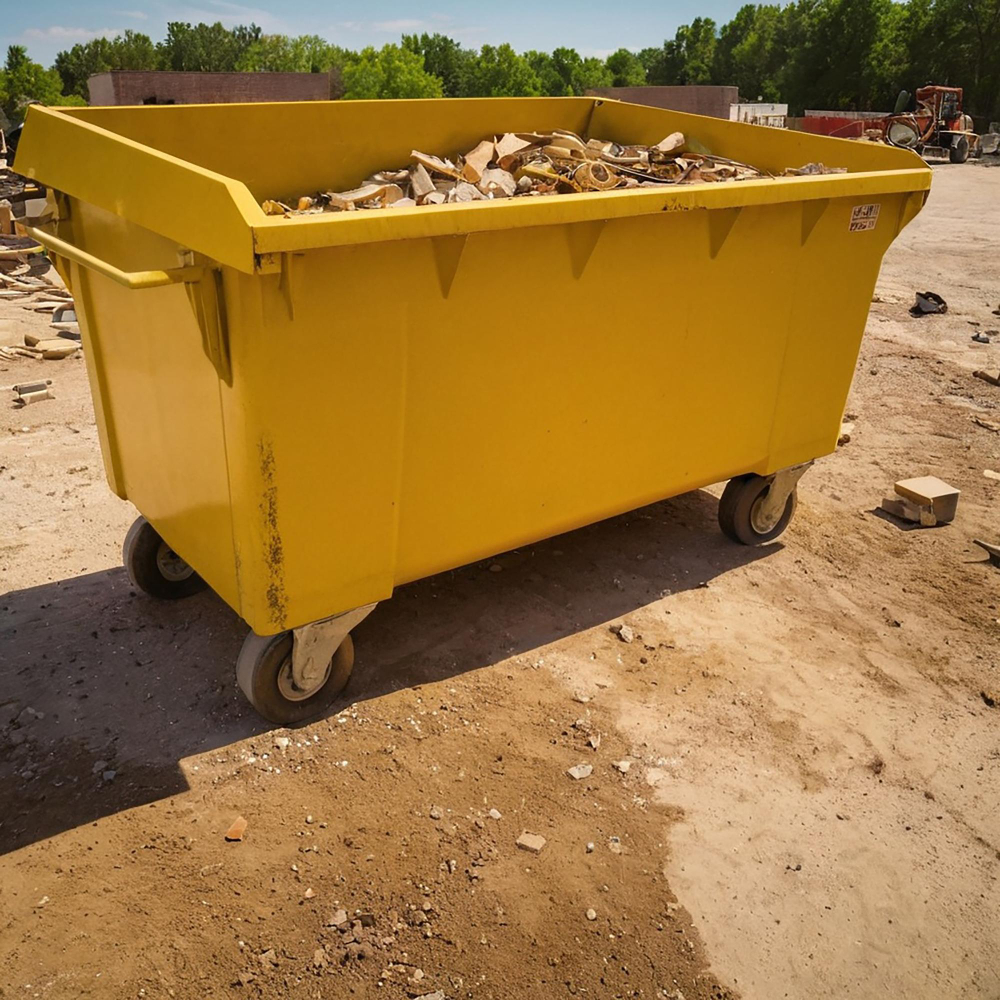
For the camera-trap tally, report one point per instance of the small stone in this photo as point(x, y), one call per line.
point(615, 845)
point(41, 902)
point(435, 812)
point(109, 775)
point(337, 919)
point(269, 958)
point(531, 842)
point(436, 995)
point(367, 919)
point(99, 765)
point(282, 742)
point(580, 771)
point(591, 914)
point(594, 741)
point(496, 568)
point(308, 894)
point(624, 632)
point(236, 831)
point(590, 847)
point(309, 819)
point(495, 814)
point(622, 765)
point(581, 698)
point(319, 958)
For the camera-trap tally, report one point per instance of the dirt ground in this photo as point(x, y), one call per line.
point(808, 804)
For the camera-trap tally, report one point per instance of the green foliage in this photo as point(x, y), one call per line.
point(443, 58)
point(205, 48)
point(130, 50)
point(626, 69)
point(390, 72)
point(23, 81)
point(849, 54)
point(498, 71)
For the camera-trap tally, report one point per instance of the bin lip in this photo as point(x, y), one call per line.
point(279, 234)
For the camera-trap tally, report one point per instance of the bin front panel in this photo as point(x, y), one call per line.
point(425, 403)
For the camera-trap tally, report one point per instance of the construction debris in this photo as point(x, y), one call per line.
point(992, 551)
point(526, 164)
point(926, 500)
point(32, 392)
point(987, 377)
point(928, 302)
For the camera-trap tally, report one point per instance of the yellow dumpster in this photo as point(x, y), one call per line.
point(310, 411)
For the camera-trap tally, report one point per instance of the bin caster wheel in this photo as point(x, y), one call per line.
point(743, 515)
point(264, 674)
point(154, 567)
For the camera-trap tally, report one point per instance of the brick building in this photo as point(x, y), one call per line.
point(713, 101)
point(156, 87)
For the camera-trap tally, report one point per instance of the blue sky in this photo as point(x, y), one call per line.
point(594, 27)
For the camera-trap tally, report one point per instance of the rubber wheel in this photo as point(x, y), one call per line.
point(959, 153)
point(154, 567)
point(264, 674)
point(737, 509)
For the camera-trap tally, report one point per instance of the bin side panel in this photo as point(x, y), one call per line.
point(314, 425)
point(157, 396)
point(830, 295)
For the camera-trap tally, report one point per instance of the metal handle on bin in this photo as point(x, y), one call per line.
point(130, 279)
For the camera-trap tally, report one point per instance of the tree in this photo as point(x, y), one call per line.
point(23, 81)
point(498, 71)
point(626, 69)
point(130, 50)
point(390, 72)
point(443, 58)
point(205, 48)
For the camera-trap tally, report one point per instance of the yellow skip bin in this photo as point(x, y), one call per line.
point(310, 411)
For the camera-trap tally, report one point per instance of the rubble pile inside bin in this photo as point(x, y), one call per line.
point(530, 164)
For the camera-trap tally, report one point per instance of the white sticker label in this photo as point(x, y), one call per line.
point(863, 217)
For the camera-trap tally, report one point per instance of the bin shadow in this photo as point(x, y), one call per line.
point(96, 678)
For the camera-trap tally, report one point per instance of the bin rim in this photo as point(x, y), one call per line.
point(277, 234)
point(237, 232)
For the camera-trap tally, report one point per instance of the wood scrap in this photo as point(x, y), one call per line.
point(524, 164)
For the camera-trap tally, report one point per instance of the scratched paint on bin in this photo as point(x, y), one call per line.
point(274, 556)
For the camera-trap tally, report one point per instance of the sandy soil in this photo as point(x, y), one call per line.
point(810, 807)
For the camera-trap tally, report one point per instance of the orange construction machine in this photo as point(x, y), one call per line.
point(938, 127)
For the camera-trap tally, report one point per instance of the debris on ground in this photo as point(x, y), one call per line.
point(624, 632)
point(988, 377)
point(982, 337)
point(926, 500)
point(236, 831)
point(992, 551)
point(927, 303)
point(846, 427)
point(530, 842)
point(32, 392)
point(580, 771)
point(989, 698)
point(530, 164)
point(990, 474)
point(990, 425)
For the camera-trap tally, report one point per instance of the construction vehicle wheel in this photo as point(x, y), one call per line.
point(739, 506)
point(264, 674)
point(154, 567)
point(959, 152)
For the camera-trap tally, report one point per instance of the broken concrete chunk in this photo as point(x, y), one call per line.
point(463, 192)
point(436, 165)
point(933, 492)
point(530, 842)
point(386, 193)
point(580, 771)
point(477, 160)
point(236, 831)
point(497, 182)
point(672, 142)
point(420, 182)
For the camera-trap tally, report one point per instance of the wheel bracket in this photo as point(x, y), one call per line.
point(771, 506)
point(313, 645)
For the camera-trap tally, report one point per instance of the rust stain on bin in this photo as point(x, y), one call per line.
point(274, 556)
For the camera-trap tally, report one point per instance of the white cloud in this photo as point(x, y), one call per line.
point(400, 24)
point(63, 33)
